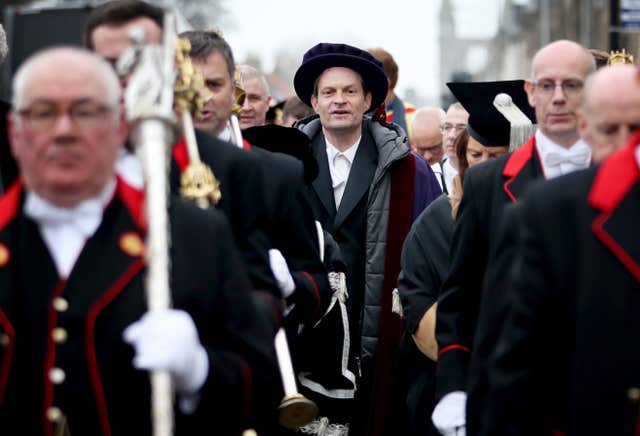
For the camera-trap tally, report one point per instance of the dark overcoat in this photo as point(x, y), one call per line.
point(569, 354)
point(101, 392)
point(488, 188)
point(425, 263)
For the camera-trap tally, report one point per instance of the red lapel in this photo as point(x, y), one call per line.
point(516, 162)
point(180, 154)
point(133, 200)
point(246, 145)
point(615, 177)
point(9, 203)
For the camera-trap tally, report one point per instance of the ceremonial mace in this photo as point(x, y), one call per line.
point(149, 108)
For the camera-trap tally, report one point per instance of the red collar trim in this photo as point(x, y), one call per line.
point(519, 158)
point(246, 145)
point(9, 203)
point(133, 200)
point(180, 154)
point(615, 177)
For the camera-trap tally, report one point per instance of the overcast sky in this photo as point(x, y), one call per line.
point(408, 29)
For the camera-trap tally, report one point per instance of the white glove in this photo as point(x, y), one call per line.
point(167, 340)
point(449, 415)
point(281, 272)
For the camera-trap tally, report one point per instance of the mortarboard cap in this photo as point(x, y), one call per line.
point(493, 122)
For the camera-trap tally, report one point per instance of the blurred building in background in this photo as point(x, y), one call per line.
point(525, 26)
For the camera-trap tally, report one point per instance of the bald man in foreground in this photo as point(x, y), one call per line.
point(610, 111)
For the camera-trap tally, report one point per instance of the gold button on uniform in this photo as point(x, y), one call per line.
point(54, 414)
point(56, 375)
point(633, 394)
point(4, 339)
point(59, 335)
point(60, 304)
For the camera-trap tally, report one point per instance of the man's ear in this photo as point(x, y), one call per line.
point(314, 103)
point(583, 124)
point(528, 87)
point(367, 99)
point(11, 133)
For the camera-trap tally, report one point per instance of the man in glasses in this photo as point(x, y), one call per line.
point(427, 138)
point(555, 91)
point(72, 271)
point(455, 121)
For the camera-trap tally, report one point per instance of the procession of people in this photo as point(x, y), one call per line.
point(172, 262)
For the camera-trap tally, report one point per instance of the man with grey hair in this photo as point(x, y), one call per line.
point(72, 270)
point(8, 167)
point(454, 123)
point(610, 110)
point(426, 136)
point(555, 91)
point(257, 97)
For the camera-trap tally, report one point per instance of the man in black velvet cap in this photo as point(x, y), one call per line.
point(369, 189)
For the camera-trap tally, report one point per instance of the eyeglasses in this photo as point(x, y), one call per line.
point(570, 88)
point(85, 115)
point(446, 127)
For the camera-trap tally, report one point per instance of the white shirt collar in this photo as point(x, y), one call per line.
point(225, 135)
point(546, 147)
point(349, 153)
point(65, 230)
point(128, 167)
point(638, 154)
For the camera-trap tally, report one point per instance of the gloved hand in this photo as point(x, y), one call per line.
point(449, 415)
point(167, 340)
point(281, 272)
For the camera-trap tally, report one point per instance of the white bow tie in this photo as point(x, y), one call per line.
point(579, 158)
point(85, 217)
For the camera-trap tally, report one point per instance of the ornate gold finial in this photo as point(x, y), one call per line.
point(620, 57)
point(197, 181)
point(238, 100)
point(189, 91)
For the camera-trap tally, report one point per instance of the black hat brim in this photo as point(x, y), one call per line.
point(287, 140)
point(372, 75)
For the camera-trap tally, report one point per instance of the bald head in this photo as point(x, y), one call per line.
point(610, 110)
point(555, 91)
point(553, 53)
point(426, 133)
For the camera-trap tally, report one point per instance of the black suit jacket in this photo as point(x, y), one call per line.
point(102, 392)
point(347, 225)
point(425, 263)
point(503, 266)
point(488, 188)
point(240, 177)
point(290, 225)
point(569, 353)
